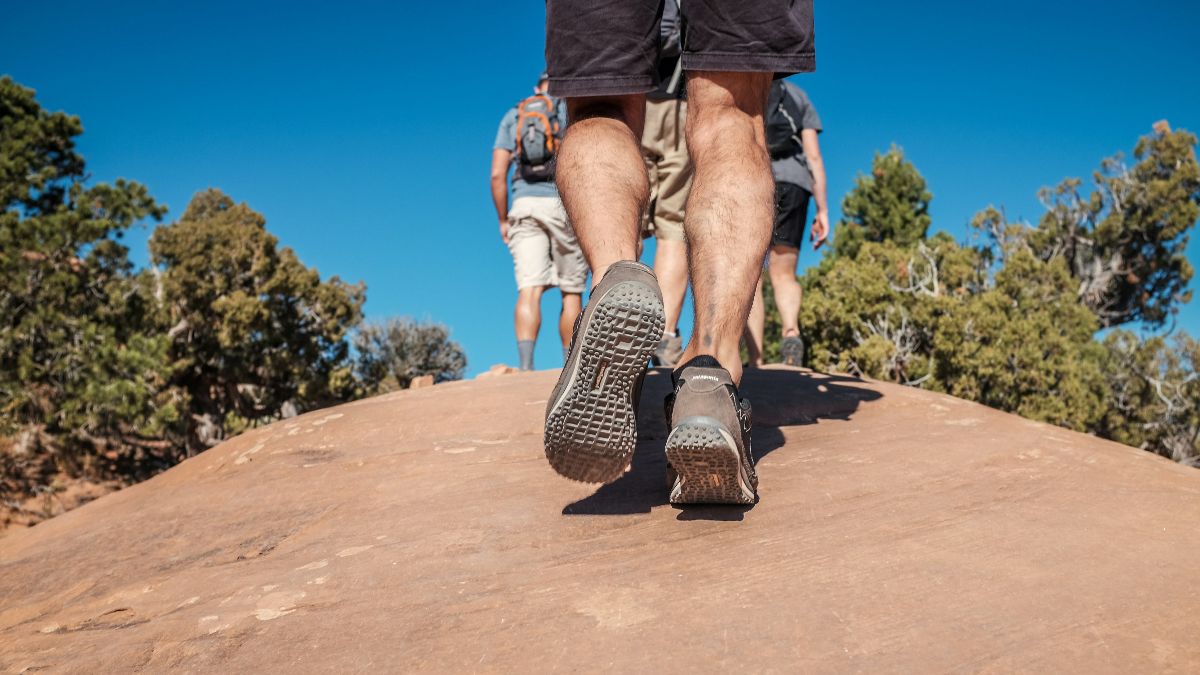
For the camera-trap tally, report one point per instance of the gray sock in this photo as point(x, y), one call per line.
point(525, 349)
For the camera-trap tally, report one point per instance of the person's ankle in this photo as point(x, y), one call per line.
point(731, 363)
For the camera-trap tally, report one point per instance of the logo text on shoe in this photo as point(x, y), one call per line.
point(601, 377)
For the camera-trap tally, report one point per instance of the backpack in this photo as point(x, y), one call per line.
point(783, 123)
point(537, 138)
point(670, 54)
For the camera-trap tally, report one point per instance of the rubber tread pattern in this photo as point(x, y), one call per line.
point(591, 432)
point(791, 349)
point(706, 466)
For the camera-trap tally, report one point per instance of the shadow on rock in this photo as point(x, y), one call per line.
point(780, 398)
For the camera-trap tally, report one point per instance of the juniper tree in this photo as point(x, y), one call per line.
point(78, 366)
point(1154, 394)
point(1124, 243)
point(254, 333)
point(890, 204)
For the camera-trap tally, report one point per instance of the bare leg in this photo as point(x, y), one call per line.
point(528, 315)
point(730, 209)
point(591, 417)
point(782, 265)
point(755, 326)
point(671, 268)
point(571, 306)
point(602, 177)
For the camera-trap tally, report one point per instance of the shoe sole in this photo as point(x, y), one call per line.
point(591, 431)
point(708, 467)
point(792, 355)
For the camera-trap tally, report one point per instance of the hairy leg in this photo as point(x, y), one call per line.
point(730, 209)
point(755, 326)
point(781, 264)
point(602, 177)
point(528, 316)
point(671, 268)
point(572, 304)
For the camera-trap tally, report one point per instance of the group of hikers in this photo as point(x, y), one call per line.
point(688, 134)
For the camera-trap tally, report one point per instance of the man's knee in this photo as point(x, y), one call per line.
point(726, 105)
point(782, 267)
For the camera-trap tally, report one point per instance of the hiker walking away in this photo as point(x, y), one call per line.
point(544, 249)
point(602, 57)
point(669, 171)
point(792, 128)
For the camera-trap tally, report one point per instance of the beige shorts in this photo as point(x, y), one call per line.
point(669, 167)
point(544, 248)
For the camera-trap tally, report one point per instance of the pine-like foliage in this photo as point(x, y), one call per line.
point(890, 204)
point(81, 376)
point(1125, 243)
point(1012, 321)
point(108, 374)
point(1154, 394)
point(255, 334)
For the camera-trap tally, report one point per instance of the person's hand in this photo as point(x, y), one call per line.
point(504, 230)
point(820, 229)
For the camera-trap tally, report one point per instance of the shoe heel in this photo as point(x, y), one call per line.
point(708, 467)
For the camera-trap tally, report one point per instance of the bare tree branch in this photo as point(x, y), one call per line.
point(924, 281)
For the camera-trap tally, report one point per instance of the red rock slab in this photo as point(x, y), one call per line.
point(898, 530)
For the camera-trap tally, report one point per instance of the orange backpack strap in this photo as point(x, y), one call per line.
point(549, 121)
point(517, 127)
point(551, 118)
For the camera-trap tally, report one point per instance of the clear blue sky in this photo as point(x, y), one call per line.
point(363, 131)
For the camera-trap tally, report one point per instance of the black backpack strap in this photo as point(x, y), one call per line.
point(790, 110)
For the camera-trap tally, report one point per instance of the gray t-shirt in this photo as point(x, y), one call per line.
point(795, 169)
point(506, 139)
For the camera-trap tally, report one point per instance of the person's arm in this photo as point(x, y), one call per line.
point(500, 163)
point(812, 152)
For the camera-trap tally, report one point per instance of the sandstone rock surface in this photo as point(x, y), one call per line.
point(898, 530)
point(421, 381)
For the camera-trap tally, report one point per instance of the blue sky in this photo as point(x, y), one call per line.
point(363, 131)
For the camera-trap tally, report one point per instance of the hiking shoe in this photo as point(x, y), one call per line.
point(791, 348)
point(709, 447)
point(670, 348)
point(591, 417)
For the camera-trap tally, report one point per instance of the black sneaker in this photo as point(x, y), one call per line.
point(591, 417)
point(709, 447)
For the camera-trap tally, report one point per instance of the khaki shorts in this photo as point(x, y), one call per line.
point(669, 167)
point(544, 248)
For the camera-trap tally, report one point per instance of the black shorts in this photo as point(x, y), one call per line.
point(608, 48)
point(791, 215)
